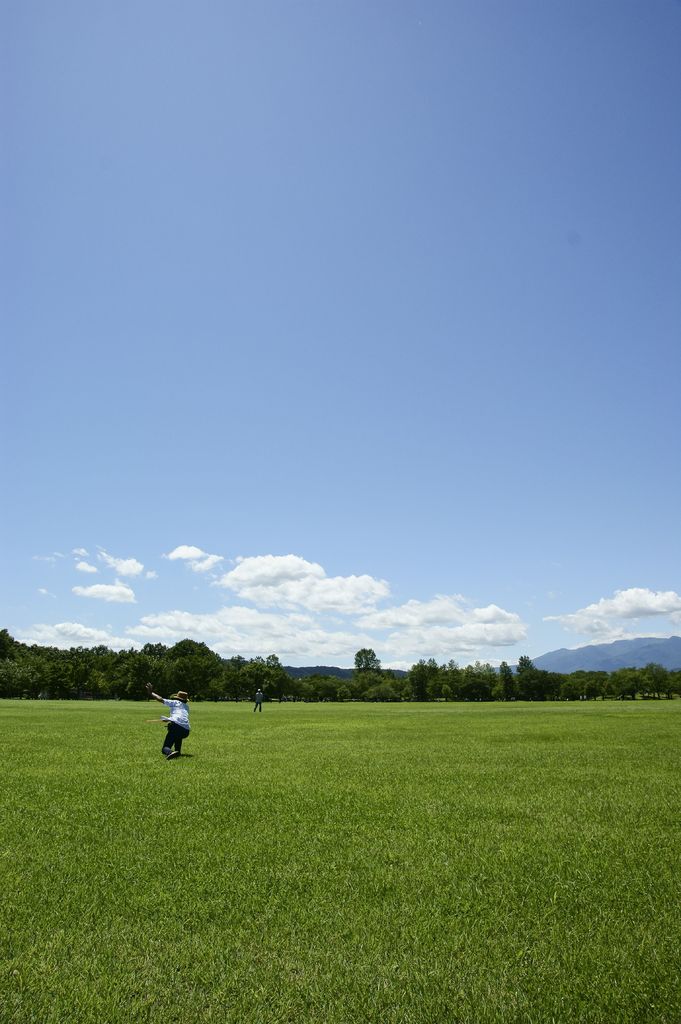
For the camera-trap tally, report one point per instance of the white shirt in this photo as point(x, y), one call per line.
point(179, 712)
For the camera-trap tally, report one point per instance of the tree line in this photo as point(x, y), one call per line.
point(99, 673)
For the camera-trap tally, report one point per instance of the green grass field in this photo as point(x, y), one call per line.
point(342, 863)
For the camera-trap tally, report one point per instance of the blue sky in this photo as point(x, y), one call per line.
point(333, 325)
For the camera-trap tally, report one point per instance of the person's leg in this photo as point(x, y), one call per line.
point(168, 740)
point(260, 706)
point(176, 733)
point(180, 734)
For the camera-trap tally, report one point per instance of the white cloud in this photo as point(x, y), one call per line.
point(74, 634)
point(204, 564)
point(118, 592)
point(86, 567)
point(637, 601)
point(45, 593)
point(48, 558)
point(184, 551)
point(272, 570)
point(288, 581)
point(442, 610)
point(198, 560)
point(240, 630)
point(445, 642)
point(445, 627)
point(151, 575)
point(604, 618)
point(123, 566)
point(80, 552)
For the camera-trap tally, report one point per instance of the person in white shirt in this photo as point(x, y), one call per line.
point(259, 698)
point(177, 719)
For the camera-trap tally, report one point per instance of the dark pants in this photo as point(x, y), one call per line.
point(258, 706)
point(176, 733)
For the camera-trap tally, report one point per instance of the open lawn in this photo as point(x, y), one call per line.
point(342, 864)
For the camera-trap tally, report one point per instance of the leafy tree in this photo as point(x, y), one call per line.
point(305, 690)
point(255, 675)
point(435, 683)
point(193, 667)
point(534, 683)
point(157, 651)
point(188, 649)
point(18, 679)
point(505, 688)
point(477, 682)
point(100, 683)
point(655, 679)
point(552, 681)
point(595, 684)
point(59, 677)
point(673, 684)
point(570, 689)
point(366, 661)
point(383, 691)
point(625, 683)
point(325, 687)
point(578, 680)
point(541, 685)
point(278, 679)
point(407, 688)
point(80, 662)
point(365, 681)
point(234, 684)
point(451, 676)
point(8, 645)
point(135, 671)
point(422, 675)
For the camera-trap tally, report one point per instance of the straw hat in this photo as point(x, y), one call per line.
point(180, 695)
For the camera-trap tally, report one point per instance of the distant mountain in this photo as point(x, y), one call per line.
point(328, 670)
point(318, 670)
point(619, 654)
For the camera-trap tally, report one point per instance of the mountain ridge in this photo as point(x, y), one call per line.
point(636, 653)
point(303, 671)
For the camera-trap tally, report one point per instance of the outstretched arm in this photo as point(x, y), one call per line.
point(152, 694)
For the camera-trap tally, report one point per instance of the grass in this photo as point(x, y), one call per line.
point(342, 864)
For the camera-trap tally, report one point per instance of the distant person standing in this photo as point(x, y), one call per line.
point(178, 721)
point(259, 698)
